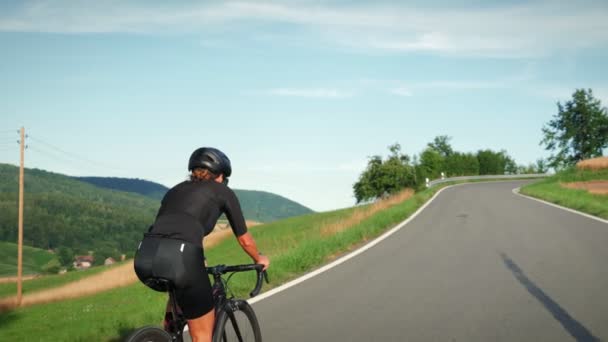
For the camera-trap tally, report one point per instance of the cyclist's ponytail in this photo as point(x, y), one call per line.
point(200, 174)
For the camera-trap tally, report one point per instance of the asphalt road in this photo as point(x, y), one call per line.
point(478, 264)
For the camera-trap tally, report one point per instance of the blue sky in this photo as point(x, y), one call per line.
point(297, 93)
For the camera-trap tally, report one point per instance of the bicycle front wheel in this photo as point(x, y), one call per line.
point(237, 322)
point(149, 334)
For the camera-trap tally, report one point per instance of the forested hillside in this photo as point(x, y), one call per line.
point(257, 206)
point(61, 211)
point(139, 186)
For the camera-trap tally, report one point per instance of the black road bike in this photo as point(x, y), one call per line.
point(234, 318)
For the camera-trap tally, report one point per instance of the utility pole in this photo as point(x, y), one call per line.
point(20, 244)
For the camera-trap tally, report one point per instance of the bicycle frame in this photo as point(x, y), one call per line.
point(220, 299)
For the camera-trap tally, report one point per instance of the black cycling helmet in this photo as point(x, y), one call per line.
point(211, 159)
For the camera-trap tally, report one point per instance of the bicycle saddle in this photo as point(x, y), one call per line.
point(159, 284)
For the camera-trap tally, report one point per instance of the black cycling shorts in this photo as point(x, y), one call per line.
point(182, 263)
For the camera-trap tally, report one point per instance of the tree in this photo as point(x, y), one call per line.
point(541, 166)
point(431, 163)
point(442, 145)
point(385, 176)
point(461, 164)
point(65, 255)
point(495, 163)
point(578, 131)
point(510, 164)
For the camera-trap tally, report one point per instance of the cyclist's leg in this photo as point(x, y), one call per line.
point(194, 297)
point(201, 329)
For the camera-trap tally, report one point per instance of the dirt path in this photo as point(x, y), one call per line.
point(5, 280)
point(599, 187)
point(116, 277)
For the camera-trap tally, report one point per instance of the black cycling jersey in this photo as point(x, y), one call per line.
point(190, 210)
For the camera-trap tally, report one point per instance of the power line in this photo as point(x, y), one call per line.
point(57, 151)
point(53, 155)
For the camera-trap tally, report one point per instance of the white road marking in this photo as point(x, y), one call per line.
point(346, 257)
point(516, 191)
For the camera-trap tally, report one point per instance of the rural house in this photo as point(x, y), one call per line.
point(83, 261)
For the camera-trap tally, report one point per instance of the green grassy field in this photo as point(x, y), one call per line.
point(34, 259)
point(550, 190)
point(50, 281)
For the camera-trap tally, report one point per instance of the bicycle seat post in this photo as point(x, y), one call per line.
point(174, 309)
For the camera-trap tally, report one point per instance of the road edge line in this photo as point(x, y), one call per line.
point(348, 256)
point(516, 192)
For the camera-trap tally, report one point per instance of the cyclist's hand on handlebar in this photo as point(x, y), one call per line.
point(263, 260)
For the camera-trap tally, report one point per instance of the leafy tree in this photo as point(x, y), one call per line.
point(461, 164)
point(65, 255)
point(442, 145)
point(495, 163)
point(510, 165)
point(385, 176)
point(51, 267)
point(431, 163)
point(541, 166)
point(522, 169)
point(578, 131)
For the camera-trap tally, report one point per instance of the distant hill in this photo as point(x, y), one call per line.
point(264, 206)
point(257, 206)
point(63, 211)
point(136, 185)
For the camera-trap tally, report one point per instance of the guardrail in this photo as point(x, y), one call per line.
point(465, 178)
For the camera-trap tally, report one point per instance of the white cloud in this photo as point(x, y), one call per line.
point(504, 31)
point(310, 92)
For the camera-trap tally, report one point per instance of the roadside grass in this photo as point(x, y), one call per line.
point(50, 281)
point(34, 259)
point(551, 190)
point(107, 316)
point(295, 246)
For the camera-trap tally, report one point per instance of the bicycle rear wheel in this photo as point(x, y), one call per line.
point(149, 334)
point(237, 322)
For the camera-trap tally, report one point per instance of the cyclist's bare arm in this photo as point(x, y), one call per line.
point(248, 244)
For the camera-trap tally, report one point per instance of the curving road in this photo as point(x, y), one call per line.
point(478, 264)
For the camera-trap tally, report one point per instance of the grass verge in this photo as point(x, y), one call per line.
point(551, 190)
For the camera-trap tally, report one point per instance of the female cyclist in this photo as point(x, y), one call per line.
point(173, 246)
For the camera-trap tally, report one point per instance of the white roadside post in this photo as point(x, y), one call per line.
point(427, 182)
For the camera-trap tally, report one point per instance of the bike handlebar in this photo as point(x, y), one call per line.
point(223, 269)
